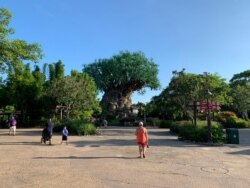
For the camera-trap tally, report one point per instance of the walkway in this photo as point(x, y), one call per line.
point(110, 161)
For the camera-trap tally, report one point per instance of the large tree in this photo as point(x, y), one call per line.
point(119, 76)
point(241, 100)
point(14, 51)
point(186, 88)
point(240, 84)
point(77, 93)
point(242, 79)
point(54, 71)
point(24, 89)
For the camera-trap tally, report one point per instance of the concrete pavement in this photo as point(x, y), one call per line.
point(110, 160)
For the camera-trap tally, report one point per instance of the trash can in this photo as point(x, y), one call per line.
point(232, 135)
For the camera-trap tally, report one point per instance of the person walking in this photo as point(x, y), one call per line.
point(105, 123)
point(141, 134)
point(65, 134)
point(12, 126)
point(50, 129)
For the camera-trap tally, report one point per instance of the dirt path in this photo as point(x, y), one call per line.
point(110, 160)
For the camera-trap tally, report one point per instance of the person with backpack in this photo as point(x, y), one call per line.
point(50, 126)
point(141, 134)
point(12, 126)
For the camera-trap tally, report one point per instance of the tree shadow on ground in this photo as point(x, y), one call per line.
point(114, 136)
point(23, 132)
point(22, 143)
point(168, 142)
point(92, 157)
point(243, 152)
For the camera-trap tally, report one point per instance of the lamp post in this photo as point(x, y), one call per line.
point(208, 94)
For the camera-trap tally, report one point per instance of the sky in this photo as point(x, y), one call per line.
point(198, 35)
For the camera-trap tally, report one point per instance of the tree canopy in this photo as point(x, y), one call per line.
point(242, 78)
point(240, 86)
point(186, 88)
point(123, 74)
point(14, 51)
point(132, 71)
point(77, 93)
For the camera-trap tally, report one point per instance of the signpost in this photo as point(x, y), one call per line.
point(206, 106)
point(203, 105)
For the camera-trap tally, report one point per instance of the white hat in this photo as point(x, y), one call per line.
point(141, 123)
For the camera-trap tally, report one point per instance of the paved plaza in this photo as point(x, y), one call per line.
point(110, 160)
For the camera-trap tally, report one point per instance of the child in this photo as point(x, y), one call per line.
point(65, 134)
point(12, 126)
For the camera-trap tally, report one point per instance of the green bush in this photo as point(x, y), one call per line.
point(234, 122)
point(114, 122)
point(218, 134)
point(86, 129)
point(241, 123)
point(162, 123)
point(201, 134)
point(226, 114)
point(76, 127)
point(176, 125)
point(186, 131)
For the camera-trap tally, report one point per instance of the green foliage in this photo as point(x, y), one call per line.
point(114, 122)
point(85, 115)
point(176, 125)
point(162, 123)
point(76, 127)
point(241, 79)
point(13, 52)
point(9, 108)
point(230, 120)
point(55, 70)
point(186, 131)
point(240, 87)
point(132, 70)
point(78, 94)
point(23, 89)
point(184, 89)
point(121, 75)
point(235, 122)
point(226, 114)
point(218, 134)
point(88, 129)
point(241, 99)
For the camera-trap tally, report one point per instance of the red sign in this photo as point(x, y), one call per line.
point(204, 106)
point(17, 112)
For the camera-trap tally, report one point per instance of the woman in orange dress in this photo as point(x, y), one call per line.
point(141, 134)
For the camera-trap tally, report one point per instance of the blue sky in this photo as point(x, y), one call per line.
point(198, 35)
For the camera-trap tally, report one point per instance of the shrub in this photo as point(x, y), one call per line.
point(176, 125)
point(114, 122)
point(201, 133)
point(218, 134)
point(162, 123)
point(241, 123)
point(234, 122)
point(76, 127)
point(186, 131)
point(87, 129)
point(226, 114)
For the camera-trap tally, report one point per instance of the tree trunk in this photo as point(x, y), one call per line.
point(116, 100)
